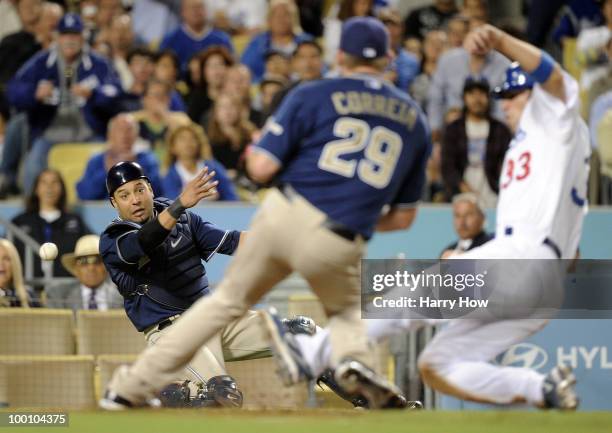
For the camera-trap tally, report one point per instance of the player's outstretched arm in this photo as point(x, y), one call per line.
point(533, 60)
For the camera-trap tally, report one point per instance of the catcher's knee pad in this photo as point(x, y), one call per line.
point(224, 391)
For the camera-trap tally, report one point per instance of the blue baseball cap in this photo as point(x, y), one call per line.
point(364, 37)
point(70, 23)
point(517, 81)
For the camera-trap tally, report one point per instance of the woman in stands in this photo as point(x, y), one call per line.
point(13, 292)
point(46, 219)
point(188, 152)
point(214, 63)
point(229, 132)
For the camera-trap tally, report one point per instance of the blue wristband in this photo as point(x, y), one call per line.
point(542, 73)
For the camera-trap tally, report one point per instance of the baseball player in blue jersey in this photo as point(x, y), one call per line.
point(156, 262)
point(342, 150)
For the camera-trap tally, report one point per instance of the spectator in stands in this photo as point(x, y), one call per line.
point(333, 24)
point(51, 14)
point(604, 137)
point(591, 48)
point(601, 85)
point(237, 16)
point(307, 65)
point(156, 119)
point(278, 64)
point(427, 18)
point(475, 9)
point(46, 219)
point(468, 220)
point(269, 87)
point(446, 88)
point(141, 62)
point(473, 147)
point(601, 106)
point(434, 45)
point(415, 46)
point(167, 69)
point(122, 135)
point(283, 34)
point(188, 152)
point(405, 66)
point(457, 29)
point(193, 35)
point(13, 292)
point(121, 40)
point(17, 48)
point(68, 94)
point(238, 85)
point(214, 62)
point(229, 132)
point(93, 289)
point(577, 15)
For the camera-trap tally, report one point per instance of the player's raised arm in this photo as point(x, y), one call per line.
point(536, 62)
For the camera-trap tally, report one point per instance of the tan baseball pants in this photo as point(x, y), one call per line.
point(285, 236)
point(242, 339)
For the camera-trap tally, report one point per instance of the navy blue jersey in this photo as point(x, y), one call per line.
point(350, 146)
point(173, 273)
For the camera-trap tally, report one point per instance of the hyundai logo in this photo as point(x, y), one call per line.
point(525, 355)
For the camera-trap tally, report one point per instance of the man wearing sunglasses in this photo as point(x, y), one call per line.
point(93, 290)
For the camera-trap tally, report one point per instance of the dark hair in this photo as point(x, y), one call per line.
point(206, 54)
point(172, 56)
point(32, 203)
point(346, 9)
point(310, 42)
point(142, 52)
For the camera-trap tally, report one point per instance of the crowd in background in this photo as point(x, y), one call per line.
point(179, 84)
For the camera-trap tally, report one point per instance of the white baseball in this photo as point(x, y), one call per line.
point(48, 251)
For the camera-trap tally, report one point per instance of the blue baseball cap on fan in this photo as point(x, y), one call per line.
point(70, 23)
point(364, 37)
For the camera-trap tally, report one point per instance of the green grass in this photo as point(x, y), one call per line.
point(331, 421)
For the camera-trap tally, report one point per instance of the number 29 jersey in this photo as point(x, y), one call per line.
point(543, 184)
point(350, 146)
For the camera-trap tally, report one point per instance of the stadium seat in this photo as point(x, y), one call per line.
point(47, 381)
point(70, 159)
point(107, 332)
point(36, 332)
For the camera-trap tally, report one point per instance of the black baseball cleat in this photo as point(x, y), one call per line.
point(291, 366)
point(359, 400)
point(114, 402)
point(559, 389)
point(357, 380)
point(300, 325)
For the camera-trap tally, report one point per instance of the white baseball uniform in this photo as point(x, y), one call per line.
point(542, 196)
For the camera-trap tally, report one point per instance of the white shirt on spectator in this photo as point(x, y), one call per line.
point(250, 14)
point(100, 297)
point(594, 38)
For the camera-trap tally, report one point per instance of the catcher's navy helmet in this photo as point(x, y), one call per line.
point(122, 173)
point(517, 81)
